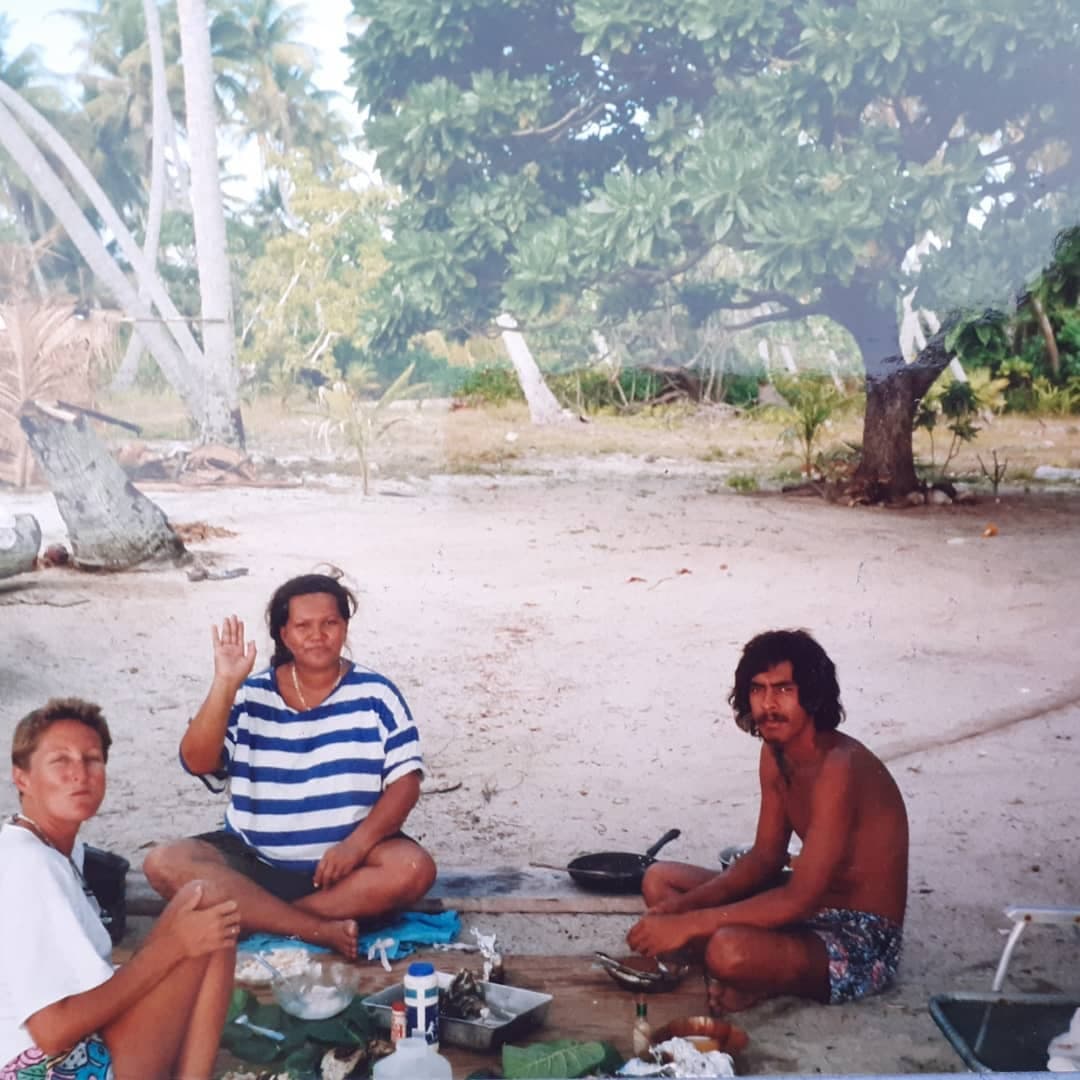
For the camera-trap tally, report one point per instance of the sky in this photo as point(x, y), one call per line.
point(40, 22)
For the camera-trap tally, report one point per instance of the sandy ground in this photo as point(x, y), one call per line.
point(566, 639)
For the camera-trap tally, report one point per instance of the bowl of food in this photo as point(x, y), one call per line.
point(323, 989)
point(647, 974)
point(704, 1033)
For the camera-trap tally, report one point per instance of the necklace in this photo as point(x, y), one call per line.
point(35, 829)
point(300, 693)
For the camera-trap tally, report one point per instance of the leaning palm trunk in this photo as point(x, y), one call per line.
point(111, 525)
point(184, 377)
point(213, 409)
point(208, 210)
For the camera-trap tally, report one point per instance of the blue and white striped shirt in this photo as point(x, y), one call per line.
point(302, 781)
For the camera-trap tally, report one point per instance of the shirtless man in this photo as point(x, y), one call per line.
point(831, 929)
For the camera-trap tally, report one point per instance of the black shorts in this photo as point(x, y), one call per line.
point(286, 885)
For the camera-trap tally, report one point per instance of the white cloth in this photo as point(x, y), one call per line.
point(1063, 1053)
point(52, 943)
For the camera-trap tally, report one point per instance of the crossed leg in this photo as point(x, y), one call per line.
point(397, 873)
point(746, 964)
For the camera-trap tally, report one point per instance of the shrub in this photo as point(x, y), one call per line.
point(492, 384)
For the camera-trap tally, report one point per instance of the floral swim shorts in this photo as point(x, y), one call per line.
point(88, 1059)
point(863, 949)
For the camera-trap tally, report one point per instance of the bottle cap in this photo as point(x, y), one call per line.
point(421, 967)
point(398, 1006)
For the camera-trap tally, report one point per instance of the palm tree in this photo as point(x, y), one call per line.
point(208, 212)
point(266, 74)
point(26, 74)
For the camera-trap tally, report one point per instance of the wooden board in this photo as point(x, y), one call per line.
point(586, 1003)
point(500, 891)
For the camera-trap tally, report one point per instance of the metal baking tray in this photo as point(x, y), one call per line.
point(514, 1011)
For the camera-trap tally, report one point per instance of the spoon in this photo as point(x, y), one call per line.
point(270, 967)
point(270, 1033)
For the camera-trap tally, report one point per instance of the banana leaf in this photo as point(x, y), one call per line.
point(562, 1059)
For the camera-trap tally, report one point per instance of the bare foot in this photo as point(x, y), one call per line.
point(340, 935)
point(722, 999)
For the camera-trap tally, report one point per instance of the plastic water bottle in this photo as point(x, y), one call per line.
point(412, 1059)
point(422, 1002)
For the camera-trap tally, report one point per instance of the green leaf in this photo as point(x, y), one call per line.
point(559, 1060)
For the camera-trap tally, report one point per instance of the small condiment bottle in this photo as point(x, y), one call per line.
point(642, 1038)
point(397, 1021)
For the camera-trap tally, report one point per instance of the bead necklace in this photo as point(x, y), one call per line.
point(300, 693)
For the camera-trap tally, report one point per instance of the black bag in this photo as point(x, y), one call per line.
point(106, 877)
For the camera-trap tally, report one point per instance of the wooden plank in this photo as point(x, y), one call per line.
point(586, 1003)
point(504, 891)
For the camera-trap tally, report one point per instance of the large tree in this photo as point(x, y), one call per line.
point(603, 147)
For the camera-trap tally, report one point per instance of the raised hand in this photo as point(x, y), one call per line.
point(233, 659)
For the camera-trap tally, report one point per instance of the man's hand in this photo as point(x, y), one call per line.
point(656, 935)
point(233, 660)
point(337, 862)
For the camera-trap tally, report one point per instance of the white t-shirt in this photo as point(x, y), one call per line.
point(52, 943)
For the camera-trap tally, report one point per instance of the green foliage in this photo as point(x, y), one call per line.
point(743, 483)
point(812, 401)
point(491, 384)
point(361, 424)
point(740, 390)
point(957, 406)
point(556, 1060)
point(1050, 400)
point(305, 295)
point(305, 1040)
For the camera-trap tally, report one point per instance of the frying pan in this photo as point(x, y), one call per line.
point(616, 871)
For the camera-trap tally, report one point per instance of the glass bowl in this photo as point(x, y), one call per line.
point(322, 990)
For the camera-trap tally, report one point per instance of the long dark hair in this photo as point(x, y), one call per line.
point(277, 611)
point(814, 673)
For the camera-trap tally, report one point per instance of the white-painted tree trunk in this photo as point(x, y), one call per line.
point(544, 408)
point(111, 525)
point(208, 214)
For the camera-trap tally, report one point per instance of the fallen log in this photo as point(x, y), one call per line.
point(111, 525)
point(19, 543)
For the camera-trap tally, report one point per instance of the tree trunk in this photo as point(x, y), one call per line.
point(125, 376)
point(208, 218)
point(544, 407)
point(893, 390)
point(19, 543)
point(111, 525)
point(171, 343)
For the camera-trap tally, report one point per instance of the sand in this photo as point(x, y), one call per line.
point(566, 639)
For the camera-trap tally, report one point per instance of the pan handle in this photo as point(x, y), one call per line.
point(671, 834)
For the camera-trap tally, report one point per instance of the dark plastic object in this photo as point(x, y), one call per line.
point(993, 1033)
point(106, 875)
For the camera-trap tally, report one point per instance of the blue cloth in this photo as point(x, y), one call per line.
point(410, 930)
